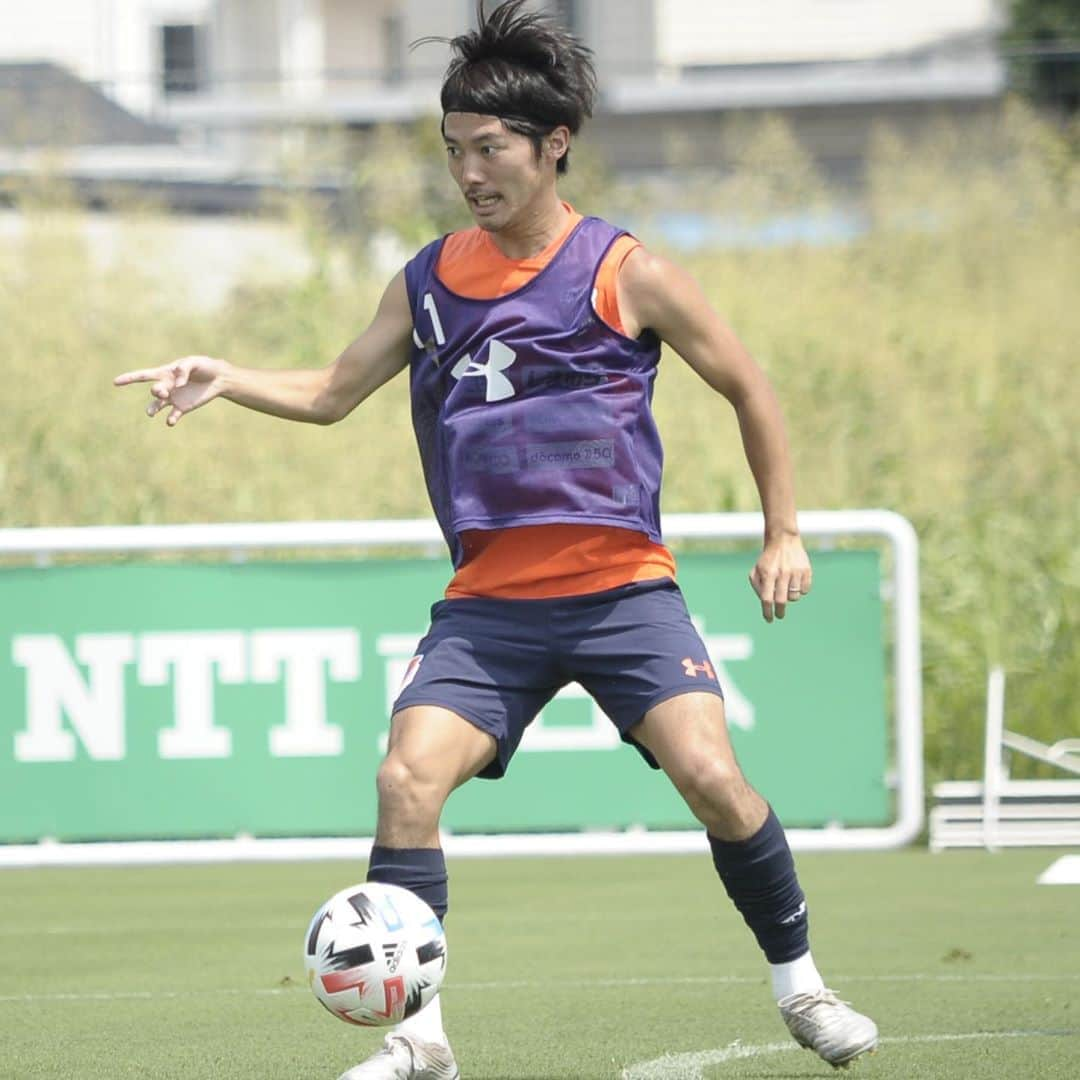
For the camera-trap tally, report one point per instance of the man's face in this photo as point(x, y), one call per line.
point(496, 169)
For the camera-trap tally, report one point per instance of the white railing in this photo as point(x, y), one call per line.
point(824, 526)
point(1000, 811)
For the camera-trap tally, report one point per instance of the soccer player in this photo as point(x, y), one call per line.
point(532, 342)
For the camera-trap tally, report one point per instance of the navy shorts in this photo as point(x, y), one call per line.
point(497, 663)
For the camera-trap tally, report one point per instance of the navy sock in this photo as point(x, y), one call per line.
point(420, 870)
point(759, 876)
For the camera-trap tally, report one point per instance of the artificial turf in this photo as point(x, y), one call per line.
point(558, 968)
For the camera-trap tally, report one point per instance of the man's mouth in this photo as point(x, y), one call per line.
point(483, 202)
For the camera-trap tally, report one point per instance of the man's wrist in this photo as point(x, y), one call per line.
point(225, 379)
point(782, 530)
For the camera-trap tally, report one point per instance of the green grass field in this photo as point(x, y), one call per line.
point(558, 968)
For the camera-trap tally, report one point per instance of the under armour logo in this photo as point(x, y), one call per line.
point(800, 911)
point(693, 670)
point(500, 357)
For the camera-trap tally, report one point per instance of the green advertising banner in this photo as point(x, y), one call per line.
point(159, 700)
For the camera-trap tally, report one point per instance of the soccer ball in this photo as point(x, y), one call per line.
point(375, 954)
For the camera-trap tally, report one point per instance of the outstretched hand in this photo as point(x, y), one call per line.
point(180, 387)
point(781, 575)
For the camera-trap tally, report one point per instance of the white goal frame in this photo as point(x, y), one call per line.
point(824, 526)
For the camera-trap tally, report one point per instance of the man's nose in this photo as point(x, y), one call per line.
point(472, 171)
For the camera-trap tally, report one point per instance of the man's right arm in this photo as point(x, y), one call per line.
point(318, 396)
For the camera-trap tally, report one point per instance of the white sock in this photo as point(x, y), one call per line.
point(796, 977)
point(426, 1024)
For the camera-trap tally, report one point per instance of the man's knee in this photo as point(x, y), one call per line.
point(712, 781)
point(717, 792)
point(394, 775)
point(405, 787)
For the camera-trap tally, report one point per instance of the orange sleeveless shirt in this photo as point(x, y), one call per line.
point(539, 561)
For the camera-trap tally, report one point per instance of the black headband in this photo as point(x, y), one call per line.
point(513, 118)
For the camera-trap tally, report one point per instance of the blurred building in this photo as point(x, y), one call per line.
point(138, 52)
point(233, 77)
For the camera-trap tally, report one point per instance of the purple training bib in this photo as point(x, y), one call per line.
point(529, 409)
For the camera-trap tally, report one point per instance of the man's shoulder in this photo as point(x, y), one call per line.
point(594, 221)
point(423, 263)
point(616, 240)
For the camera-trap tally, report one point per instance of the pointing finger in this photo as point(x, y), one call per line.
point(143, 375)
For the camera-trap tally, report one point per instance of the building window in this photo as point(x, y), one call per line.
point(568, 12)
point(181, 67)
point(393, 32)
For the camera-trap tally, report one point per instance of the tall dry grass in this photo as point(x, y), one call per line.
point(928, 367)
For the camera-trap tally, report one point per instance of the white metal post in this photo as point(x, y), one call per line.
point(825, 525)
point(992, 764)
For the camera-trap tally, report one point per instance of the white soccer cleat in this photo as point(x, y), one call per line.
point(830, 1027)
point(405, 1057)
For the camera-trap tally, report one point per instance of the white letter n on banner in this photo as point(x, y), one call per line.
point(54, 686)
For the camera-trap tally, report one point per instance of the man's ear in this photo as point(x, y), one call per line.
point(556, 143)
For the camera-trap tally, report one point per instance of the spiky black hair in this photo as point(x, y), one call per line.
point(521, 67)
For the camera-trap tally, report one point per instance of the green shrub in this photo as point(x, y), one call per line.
point(927, 367)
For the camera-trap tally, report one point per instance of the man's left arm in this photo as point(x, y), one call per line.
point(656, 294)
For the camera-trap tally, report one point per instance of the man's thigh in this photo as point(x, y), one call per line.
point(634, 649)
point(438, 746)
point(489, 662)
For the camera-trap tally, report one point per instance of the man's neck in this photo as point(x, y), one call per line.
point(534, 231)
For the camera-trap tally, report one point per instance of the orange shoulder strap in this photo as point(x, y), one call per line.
point(606, 298)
